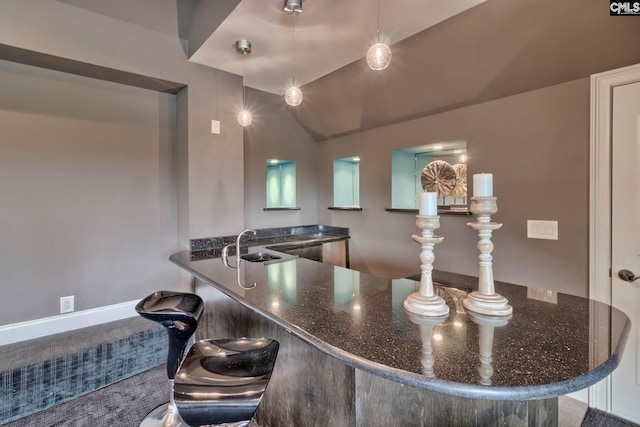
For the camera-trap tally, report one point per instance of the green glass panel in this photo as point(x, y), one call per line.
point(346, 182)
point(281, 184)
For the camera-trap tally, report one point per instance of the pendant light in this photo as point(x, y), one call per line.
point(293, 95)
point(244, 118)
point(379, 55)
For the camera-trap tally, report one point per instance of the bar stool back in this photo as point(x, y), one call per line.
point(179, 312)
point(222, 381)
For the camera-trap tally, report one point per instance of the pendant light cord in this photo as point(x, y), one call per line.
point(244, 105)
point(293, 50)
point(378, 29)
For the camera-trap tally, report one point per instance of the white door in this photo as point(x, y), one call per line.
point(625, 244)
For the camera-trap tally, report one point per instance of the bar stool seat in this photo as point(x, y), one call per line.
point(221, 381)
point(179, 312)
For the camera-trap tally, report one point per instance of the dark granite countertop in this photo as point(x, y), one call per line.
point(280, 237)
point(544, 350)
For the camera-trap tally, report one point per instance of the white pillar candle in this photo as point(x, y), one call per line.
point(428, 204)
point(483, 185)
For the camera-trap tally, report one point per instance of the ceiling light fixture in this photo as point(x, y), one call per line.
point(379, 55)
point(293, 7)
point(293, 95)
point(245, 118)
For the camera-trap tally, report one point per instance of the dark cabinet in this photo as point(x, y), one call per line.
point(333, 253)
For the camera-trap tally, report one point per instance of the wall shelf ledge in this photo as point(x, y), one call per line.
point(345, 208)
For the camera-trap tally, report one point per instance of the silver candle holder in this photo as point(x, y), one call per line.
point(485, 300)
point(425, 302)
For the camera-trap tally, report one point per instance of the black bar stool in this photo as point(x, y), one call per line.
point(222, 381)
point(179, 312)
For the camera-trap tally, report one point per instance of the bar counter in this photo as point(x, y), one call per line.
point(507, 370)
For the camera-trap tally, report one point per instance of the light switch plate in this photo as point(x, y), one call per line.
point(542, 229)
point(215, 127)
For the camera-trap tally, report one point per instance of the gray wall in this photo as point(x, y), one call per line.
point(513, 137)
point(209, 167)
point(519, 95)
point(535, 143)
point(274, 133)
point(88, 191)
point(537, 146)
point(215, 162)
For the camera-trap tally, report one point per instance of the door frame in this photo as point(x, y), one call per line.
point(602, 85)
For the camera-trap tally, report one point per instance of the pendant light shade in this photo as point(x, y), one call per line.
point(379, 56)
point(293, 96)
point(244, 117)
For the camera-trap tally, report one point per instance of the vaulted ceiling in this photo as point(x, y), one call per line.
point(497, 49)
point(445, 54)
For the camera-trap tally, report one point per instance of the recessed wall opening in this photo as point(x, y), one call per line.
point(442, 166)
point(346, 182)
point(281, 183)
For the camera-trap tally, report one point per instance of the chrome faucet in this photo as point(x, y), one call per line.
point(225, 250)
point(242, 233)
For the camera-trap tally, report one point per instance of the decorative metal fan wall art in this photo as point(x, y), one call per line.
point(438, 176)
point(460, 190)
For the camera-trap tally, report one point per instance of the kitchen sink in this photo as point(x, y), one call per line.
point(259, 257)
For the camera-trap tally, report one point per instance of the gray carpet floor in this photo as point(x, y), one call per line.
point(123, 404)
point(45, 372)
point(126, 403)
point(596, 418)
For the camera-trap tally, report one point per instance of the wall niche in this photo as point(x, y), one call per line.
point(281, 184)
point(346, 183)
point(440, 167)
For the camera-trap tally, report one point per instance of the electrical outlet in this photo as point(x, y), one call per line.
point(66, 304)
point(545, 295)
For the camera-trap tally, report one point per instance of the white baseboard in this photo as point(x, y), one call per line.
point(37, 328)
